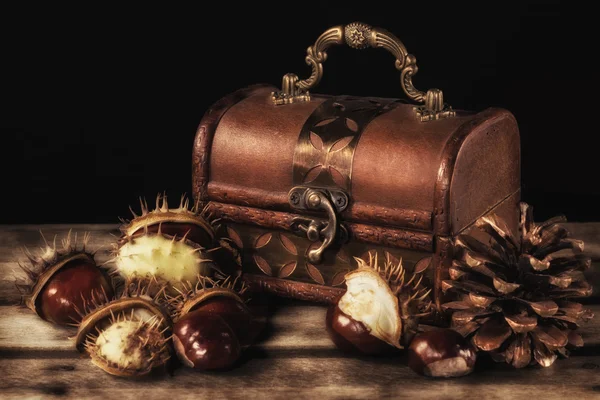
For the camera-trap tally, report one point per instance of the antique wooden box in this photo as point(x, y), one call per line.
point(306, 182)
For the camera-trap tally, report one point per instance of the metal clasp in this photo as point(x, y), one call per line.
point(319, 199)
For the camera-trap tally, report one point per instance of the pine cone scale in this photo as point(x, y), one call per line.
point(468, 328)
point(551, 336)
point(481, 267)
point(542, 354)
point(562, 281)
point(505, 287)
point(565, 244)
point(499, 231)
point(457, 305)
point(462, 317)
point(485, 252)
point(467, 287)
point(481, 301)
point(521, 323)
point(575, 339)
point(578, 289)
point(549, 236)
point(520, 351)
point(537, 265)
point(492, 334)
point(546, 308)
point(578, 262)
point(571, 308)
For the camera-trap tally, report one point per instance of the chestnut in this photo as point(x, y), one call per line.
point(379, 310)
point(205, 341)
point(441, 353)
point(69, 289)
point(352, 336)
point(64, 281)
point(236, 314)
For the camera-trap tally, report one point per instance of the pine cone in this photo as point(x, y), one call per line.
point(514, 290)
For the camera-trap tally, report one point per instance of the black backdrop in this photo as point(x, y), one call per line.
point(103, 103)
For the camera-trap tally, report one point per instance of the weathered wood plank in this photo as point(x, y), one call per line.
point(281, 375)
point(295, 326)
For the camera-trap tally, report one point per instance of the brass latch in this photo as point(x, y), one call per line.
point(331, 201)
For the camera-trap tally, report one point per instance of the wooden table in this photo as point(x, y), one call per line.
point(295, 360)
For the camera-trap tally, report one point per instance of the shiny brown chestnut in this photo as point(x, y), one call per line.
point(352, 336)
point(236, 314)
point(233, 326)
point(441, 353)
point(63, 281)
point(69, 289)
point(204, 341)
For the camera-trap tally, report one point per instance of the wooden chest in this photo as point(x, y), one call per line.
point(307, 182)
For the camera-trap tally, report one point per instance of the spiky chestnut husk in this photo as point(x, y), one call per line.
point(514, 289)
point(62, 279)
point(379, 309)
point(182, 221)
point(128, 336)
point(172, 244)
point(212, 323)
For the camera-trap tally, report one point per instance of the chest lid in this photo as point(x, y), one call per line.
point(425, 168)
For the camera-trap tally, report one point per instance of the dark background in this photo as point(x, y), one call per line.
point(101, 104)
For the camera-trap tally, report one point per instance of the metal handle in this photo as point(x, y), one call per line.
point(328, 231)
point(359, 36)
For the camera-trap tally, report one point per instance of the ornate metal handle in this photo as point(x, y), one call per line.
point(359, 36)
point(316, 200)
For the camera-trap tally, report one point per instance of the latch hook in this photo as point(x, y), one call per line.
point(313, 199)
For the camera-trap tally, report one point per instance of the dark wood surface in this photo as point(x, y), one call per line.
point(294, 359)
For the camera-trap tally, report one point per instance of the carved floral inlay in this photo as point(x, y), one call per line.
point(271, 243)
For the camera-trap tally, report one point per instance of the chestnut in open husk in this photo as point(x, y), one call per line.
point(212, 324)
point(129, 336)
point(379, 310)
point(62, 280)
point(441, 353)
point(174, 245)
